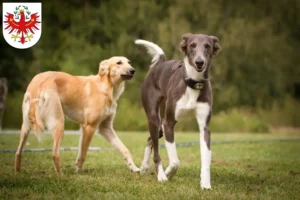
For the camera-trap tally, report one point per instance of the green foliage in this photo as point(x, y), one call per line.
point(283, 113)
point(257, 67)
point(12, 118)
point(238, 119)
point(130, 117)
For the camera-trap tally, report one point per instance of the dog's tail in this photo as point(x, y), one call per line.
point(154, 50)
point(31, 115)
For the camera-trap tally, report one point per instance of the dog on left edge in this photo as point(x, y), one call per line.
point(90, 101)
point(3, 94)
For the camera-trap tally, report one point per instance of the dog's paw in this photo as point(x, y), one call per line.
point(162, 177)
point(145, 169)
point(206, 186)
point(205, 179)
point(135, 170)
point(171, 171)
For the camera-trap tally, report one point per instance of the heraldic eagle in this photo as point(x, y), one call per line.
point(22, 27)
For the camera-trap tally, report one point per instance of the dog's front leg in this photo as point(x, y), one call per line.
point(171, 148)
point(202, 114)
point(107, 131)
point(205, 158)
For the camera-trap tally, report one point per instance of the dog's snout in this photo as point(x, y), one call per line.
point(132, 71)
point(199, 62)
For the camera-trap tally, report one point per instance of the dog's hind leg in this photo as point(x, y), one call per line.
point(171, 148)
point(25, 130)
point(146, 162)
point(51, 111)
point(151, 106)
point(168, 128)
point(85, 140)
point(58, 133)
point(154, 124)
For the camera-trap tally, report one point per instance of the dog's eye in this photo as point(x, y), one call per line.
point(207, 46)
point(128, 61)
point(193, 45)
point(119, 63)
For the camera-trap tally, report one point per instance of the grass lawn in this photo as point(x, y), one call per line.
point(239, 171)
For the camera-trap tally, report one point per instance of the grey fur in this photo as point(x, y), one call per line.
point(165, 85)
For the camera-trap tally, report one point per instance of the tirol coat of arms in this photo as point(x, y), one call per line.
point(22, 24)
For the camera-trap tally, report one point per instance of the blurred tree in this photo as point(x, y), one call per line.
point(259, 62)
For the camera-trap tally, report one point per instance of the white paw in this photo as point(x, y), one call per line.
point(205, 179)
point(145, 168)
point(171, 171)
point(135, 169)
point(205, 186)
point(205, 183)
point(162, 177)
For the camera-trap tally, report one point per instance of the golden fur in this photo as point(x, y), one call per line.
point(87, 100)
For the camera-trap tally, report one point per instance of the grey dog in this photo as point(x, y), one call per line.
point(174, 90)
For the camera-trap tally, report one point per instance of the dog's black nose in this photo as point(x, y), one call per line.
point(199, 62)
point(132, 71)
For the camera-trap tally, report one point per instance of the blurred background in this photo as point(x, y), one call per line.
point(255, 78)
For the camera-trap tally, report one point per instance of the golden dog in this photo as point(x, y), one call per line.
point(90, 101)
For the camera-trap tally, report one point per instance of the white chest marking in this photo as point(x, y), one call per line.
point(187, 104)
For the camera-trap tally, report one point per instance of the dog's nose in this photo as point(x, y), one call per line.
point(132, 71)
point(199, 62)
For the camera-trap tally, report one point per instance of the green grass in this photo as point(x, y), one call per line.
point(239, 171)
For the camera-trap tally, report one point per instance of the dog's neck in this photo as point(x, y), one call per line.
point(114, 88)
point(192, 73)
point(118, 86)
point(118, 89)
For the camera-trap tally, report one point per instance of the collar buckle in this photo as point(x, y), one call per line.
point(198, 86)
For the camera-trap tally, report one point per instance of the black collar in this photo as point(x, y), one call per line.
point(196, 85)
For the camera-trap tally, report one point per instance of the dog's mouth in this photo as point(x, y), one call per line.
point(199, 68)
point(127, 76)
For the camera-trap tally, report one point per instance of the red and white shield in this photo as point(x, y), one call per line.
point(22, 24)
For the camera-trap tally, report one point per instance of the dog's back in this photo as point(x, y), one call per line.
point(37, 102)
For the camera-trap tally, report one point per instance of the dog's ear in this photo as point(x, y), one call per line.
point(183, 43)
point(217, 47)
point(103, 68)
